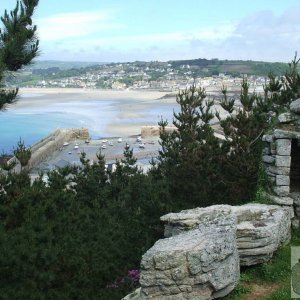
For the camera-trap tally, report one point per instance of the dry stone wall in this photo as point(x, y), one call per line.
point(281, 157)
point(204, 247)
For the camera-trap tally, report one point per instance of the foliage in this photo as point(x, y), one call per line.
point(79, 235)
point(22, 153)
point(188, 158)
point(18, 44)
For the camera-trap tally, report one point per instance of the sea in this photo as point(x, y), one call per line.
point(31, 124)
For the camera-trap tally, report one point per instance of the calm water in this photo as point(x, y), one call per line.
point(33, 124)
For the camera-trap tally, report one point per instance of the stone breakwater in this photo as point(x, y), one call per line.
point(53, 142)
point(201, 255)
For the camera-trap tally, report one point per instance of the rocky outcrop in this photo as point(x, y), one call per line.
point(199, 264)
point(261, 229)
point(204, 247)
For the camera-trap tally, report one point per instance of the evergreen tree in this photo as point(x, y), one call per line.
point(18, 45)
point(187, 157)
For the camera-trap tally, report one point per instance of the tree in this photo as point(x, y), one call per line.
point(18, 45)
point(187, 157)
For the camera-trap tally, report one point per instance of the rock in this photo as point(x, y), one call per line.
point(266, 151)
point(282, 190)
point(285, 134)
point(281, 200)
point(282, 180)
point(268, 159)
point(287, 117)
point(282, 161)
point(295, 223)
point(278, 170)
point(260, 228)
point(201, 263)
point(295, 106)
point(283, 147)
point(267, 138)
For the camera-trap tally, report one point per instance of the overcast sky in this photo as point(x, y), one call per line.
point(129, 30)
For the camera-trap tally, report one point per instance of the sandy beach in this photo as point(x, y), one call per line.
point(131, 108)
point(106, 113)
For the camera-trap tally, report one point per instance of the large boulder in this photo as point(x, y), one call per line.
point(261, 229)
point(202, 263)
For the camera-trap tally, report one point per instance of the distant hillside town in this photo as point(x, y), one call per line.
point(163, 76)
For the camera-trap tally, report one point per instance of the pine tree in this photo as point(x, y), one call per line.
point(187, 158)
point(18, 45)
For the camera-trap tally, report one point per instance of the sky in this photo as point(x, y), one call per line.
point(151, 30)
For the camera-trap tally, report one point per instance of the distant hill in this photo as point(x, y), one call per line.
point(62, 65)
point(215, 66)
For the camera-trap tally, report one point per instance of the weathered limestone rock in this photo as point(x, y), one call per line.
point(269, 159)
point(285, 134)
point(287, 117)
point(282, 190)
point(267, 138)
point(201, 263)
point(282, 161)
point(281, 200)
point(283, 147)
point(260, 228)
point(295, 106)
point(282, 180)
point(278, 170)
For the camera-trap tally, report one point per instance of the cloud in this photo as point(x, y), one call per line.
point(75, 25)
point(259, 36)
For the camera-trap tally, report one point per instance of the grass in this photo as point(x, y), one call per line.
point(276, 274)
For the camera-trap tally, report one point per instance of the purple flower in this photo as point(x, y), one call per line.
point(134, 275)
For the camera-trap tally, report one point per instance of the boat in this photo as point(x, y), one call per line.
point(65, 144)
point(139, 139)
point(76, 147)
point(119, 140)
point(104, 141)
point(141, 145)
point(103, 147)
point(127, 146)
point(110, 143)
point(87, 141)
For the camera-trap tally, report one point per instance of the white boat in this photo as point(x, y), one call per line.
point(87, 141)
point(119, 140)
point(104, 141)
point(103, 147)
point(139, 139)
point(110, 143)
point(65, 144)
point(76, 147)
point(141, 145)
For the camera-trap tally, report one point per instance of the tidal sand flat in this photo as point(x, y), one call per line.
point(38, 112)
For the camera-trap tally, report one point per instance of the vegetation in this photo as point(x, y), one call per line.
point(18, 45)
point(81, 235)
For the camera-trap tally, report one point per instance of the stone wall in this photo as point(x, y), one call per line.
point(204, 247)
point(277, 158)
point(149, 131)
point(53, 142)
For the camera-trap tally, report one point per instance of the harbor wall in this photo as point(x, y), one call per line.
point(53, 142)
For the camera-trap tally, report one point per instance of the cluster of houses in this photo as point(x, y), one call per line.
point(159, 77)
